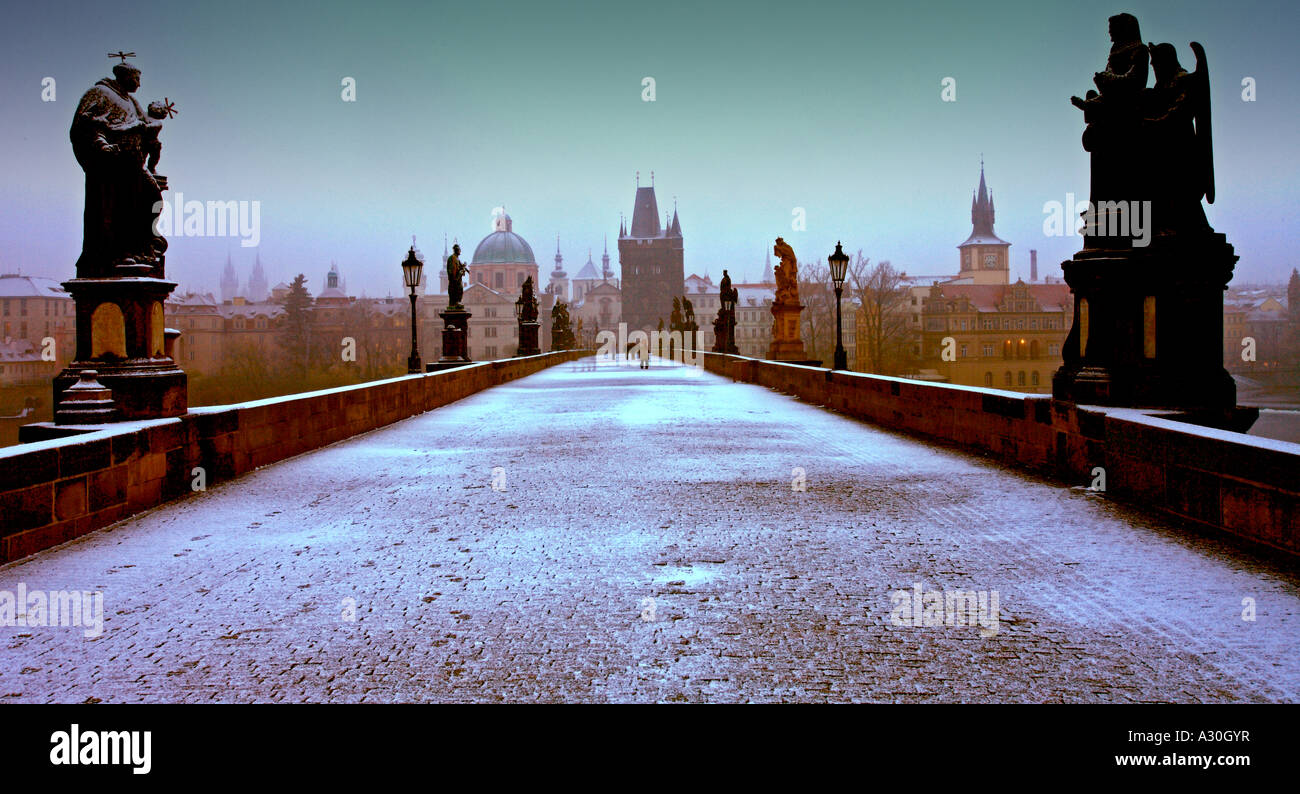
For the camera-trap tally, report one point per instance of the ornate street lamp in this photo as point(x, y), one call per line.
point(839, 262)
point(411, 269)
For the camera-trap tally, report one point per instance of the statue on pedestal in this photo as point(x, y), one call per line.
point(123, 366)
point(787, 344)
point(116, 143)
point(787, 273)
point(1149, 281)
point(528, 311)
point(456, 272)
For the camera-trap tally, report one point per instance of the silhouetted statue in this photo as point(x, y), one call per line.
point(528, 310)
point(561, 330)
point(724, 288)
point(1176, 112)
point(787, 273)
point(1151, 275)
point(675, 319)
point(688, 312)
point(116, 144)
point(1113, 131)
point(456, 271)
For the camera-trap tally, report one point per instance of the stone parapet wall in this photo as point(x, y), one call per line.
point(1230, 482)
point(57, 489)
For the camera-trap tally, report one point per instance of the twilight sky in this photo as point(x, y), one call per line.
point(761, 107)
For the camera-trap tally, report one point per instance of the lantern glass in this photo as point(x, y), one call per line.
point(411, 269)
point(839, 262)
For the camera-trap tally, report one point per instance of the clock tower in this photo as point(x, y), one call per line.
point(985, 258)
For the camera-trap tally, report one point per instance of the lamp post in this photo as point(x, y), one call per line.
point(411, 269)
point(839, 262)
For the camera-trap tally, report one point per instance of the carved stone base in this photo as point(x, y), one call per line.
point(787, 344)
point(455, 342)
point(1148, 327)
point(86, 402)
point(528, 336)
point(121, 335)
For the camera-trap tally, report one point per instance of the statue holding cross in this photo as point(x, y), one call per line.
point(116, 143)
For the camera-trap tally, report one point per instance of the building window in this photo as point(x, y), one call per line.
point(519, 279)
point(1020, 378)
point(963, 349)
point(498, 280)
point(1034, 377)
point(1006, 378)
point(1006, 353)
point(988, 378)
point(1053, 349)
point(988, 353)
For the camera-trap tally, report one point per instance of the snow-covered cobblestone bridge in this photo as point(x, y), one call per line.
point(609, 533)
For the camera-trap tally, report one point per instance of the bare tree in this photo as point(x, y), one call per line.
point(883, 324)
point(817, 294)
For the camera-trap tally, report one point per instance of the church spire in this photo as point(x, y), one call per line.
point(981, 208)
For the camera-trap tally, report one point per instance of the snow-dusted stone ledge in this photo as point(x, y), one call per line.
point(1228, 482)
point(60, 488)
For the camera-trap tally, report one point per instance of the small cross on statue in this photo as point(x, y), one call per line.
point(168, 107)
point(122, 55)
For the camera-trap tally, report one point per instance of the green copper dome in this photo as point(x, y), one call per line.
point(503, 247)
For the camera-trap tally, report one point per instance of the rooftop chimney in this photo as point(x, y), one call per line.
point(1033, 265)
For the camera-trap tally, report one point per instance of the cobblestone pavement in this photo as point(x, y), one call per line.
point(648, 543)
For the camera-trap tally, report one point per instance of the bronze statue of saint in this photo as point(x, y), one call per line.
point(528, 310)
point(1112, 116)
point(116, 144)
point(1176, 116)
point(675, 319)
point(688, 311)
point(456, 271)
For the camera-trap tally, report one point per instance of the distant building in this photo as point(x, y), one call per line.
point(559, 283)
point(652, 261)
point(503, 260)
point(34, 309)
point(977, 329)
point(229, 282)
point(257, 291)
point(984, 255)
point(1257, 327)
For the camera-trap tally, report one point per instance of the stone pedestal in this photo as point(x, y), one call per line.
point(455, 342)
point(528, 339)
point(1148, 327)
point(720, 332)
point(787, 344)
point(122, 337)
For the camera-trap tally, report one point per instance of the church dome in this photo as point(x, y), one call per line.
point(503, 246)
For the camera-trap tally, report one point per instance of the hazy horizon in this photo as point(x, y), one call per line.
point(834, 108)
